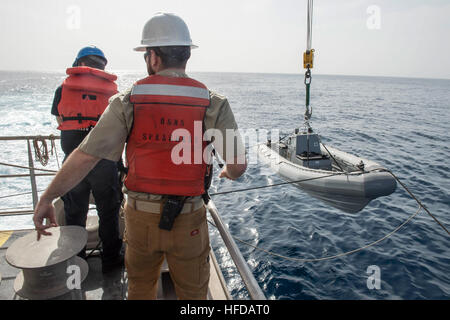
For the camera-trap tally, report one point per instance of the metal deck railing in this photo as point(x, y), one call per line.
point(32, 174)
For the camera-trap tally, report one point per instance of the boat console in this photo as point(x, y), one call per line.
point(306, 151)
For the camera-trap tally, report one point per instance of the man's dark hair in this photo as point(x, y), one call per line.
point(173, 56)
point(93, 62)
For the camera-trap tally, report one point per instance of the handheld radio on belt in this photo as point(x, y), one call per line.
point(171, 210)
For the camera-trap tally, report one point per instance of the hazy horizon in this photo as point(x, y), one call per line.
point(118, 71)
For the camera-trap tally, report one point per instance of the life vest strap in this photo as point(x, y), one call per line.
point(80, 118)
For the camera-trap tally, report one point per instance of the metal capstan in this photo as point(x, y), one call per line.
point(47, 265)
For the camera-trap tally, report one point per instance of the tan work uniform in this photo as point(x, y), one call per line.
point(186, 247)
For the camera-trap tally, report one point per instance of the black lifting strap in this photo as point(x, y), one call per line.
point(208, 179)
point(209, 168)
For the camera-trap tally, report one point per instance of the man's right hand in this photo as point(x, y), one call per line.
point(233, 171)
point(224, 174)
point(44, 210)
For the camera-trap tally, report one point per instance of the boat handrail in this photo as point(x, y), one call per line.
point(49, 137)
point(31, 167)
point(247, 276)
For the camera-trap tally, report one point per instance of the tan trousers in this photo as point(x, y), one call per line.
point(186, 248)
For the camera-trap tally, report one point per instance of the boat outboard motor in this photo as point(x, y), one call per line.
point(308, 152)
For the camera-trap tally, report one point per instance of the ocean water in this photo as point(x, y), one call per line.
point(403, 124)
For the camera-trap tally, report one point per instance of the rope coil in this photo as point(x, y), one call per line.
point(52, 140)
point(41, 151)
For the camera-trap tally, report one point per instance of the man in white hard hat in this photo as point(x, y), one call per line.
point(161, 119)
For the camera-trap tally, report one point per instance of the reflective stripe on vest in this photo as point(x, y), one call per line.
point(84, 97)
point(170, 90)
point(161, 106)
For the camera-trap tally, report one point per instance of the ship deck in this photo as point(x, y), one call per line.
point(99, 286)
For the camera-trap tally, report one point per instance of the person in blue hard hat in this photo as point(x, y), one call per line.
point(78, 104)
point(91, 55)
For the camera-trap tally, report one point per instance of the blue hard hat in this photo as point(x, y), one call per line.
point(90, 51)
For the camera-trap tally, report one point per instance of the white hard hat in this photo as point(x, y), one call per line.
point(165, 29)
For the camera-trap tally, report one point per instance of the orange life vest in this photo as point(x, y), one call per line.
point(84, 97)
point(162, 105)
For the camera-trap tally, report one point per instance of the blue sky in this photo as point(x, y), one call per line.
point(237, 36)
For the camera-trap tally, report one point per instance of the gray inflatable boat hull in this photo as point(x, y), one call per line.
point(349, 193)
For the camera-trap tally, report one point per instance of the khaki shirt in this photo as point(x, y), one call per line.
point(107, 139)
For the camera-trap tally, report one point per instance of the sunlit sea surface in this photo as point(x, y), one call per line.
point(403, 124)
